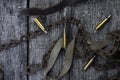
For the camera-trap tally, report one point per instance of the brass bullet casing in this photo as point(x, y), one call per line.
point(40, 25)
point(102, 23)
point(64, 38)
point(88, 64)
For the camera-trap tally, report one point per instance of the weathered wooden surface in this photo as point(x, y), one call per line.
point(14, 25)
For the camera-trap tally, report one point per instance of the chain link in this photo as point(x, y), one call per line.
point(14, 43)
point(113, 78)
point(81, 32)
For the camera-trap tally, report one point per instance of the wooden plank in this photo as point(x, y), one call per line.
point(41, 44)
point(90, 14)
point(12, 26)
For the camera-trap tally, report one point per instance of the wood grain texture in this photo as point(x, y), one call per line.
point(90, 13)
point(40, 45)
point(12, 26)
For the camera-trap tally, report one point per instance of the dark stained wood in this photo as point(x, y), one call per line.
point(90, 14)
point(41, 44)
point(12, 26)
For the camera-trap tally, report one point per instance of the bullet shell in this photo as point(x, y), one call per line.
point(64, 38)
point(88, 64)
point(40, 25)
point(102, 23)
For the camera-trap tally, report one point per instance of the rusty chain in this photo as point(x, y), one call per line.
point(113, 61)
point(14, 43)
point(113, 78)
point(81, 32)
